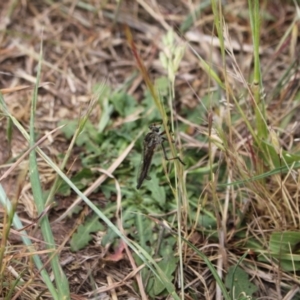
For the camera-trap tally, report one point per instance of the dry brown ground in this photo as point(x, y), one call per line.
point(82, 48)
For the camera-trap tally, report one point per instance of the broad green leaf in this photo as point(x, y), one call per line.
point(83, 235)
point(285, 242)
point(169, 265)
point(158, 192)
point(284, 249)
point(237, 280)
point(123, 103)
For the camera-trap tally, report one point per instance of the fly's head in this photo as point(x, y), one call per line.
point(153, 138)
point(154, 127)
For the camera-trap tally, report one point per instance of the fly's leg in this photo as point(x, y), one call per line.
point(170, 131)
point(165, 153)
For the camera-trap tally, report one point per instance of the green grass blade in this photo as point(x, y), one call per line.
point(60, 278)
point(6, 203)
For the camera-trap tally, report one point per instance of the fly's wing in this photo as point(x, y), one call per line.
point(146, 162)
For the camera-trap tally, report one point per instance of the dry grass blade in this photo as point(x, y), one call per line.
point(21, 158)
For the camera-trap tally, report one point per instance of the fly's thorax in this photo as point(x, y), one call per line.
point(152, 139)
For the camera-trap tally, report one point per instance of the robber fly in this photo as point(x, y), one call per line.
point(151, 141)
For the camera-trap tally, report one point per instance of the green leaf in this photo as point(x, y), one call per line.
point(157, 287)
point(123, 103)
point(238, 282)
point(158, 192)
point(70, 128)
point(83, 235)
point(205, 219)
point(109, 237)
point(285, 242)
point(168, 263)
point(81, 180)
point(87, 137)
point(145, 236)
point(285, 247)
point(274, 155)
